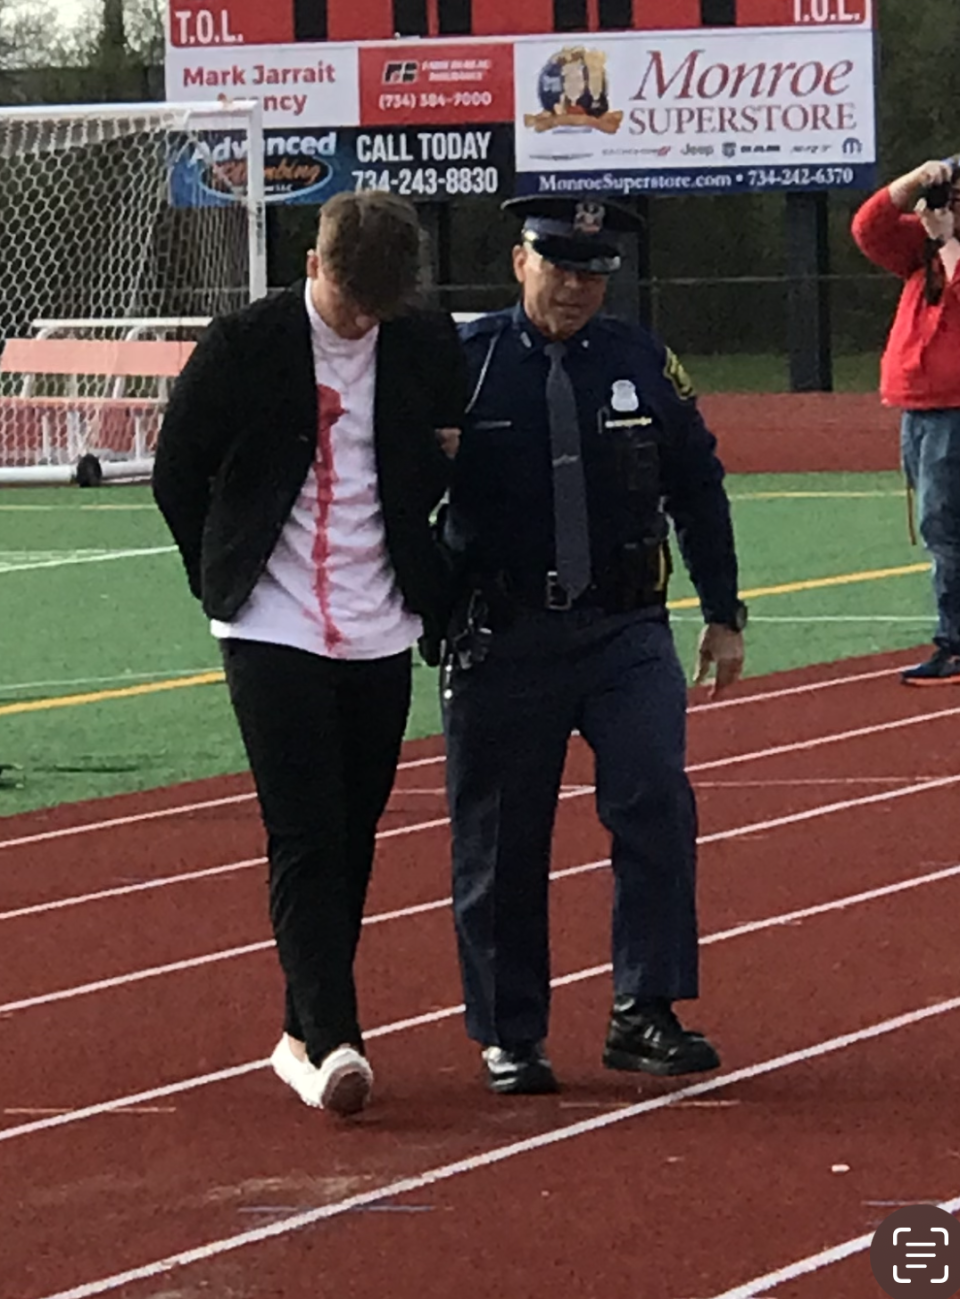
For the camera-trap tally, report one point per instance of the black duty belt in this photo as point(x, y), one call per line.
point(549, 594)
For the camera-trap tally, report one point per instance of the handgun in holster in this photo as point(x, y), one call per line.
point(470, 632)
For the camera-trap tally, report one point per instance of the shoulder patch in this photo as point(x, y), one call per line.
point(674, 371)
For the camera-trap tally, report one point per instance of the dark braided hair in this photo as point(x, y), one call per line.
point(934, 279)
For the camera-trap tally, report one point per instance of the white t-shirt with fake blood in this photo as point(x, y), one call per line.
point(329, 586)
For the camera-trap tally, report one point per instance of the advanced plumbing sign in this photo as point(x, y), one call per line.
point(710, 110)
point(419, 163)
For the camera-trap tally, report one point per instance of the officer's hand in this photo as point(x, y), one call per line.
point(449, 439)
point(722, 648)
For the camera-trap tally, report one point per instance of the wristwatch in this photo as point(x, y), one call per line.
point(739, 619)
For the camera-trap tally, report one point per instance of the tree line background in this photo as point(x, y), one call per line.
point(717, 278)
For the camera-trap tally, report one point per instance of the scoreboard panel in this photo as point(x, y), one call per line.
point(194, 23)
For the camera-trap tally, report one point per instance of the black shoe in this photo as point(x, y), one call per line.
point(519, 1070)
point(647, 1037)
point(941, 669)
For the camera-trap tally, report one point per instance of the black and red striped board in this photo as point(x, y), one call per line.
point(254, 22)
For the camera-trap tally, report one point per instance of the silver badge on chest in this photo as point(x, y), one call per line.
point(624, 396)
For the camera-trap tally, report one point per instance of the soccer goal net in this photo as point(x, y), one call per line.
point(123, 229)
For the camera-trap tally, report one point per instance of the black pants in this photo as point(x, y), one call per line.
point(508, 720)
point(323, 739)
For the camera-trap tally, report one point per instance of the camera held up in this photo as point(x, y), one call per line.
point(938, 196)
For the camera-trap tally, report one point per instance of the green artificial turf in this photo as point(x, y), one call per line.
point(73, 628)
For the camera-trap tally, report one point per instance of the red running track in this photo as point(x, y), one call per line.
point(138, 971)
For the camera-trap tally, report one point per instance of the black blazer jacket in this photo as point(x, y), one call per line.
point(240, 435)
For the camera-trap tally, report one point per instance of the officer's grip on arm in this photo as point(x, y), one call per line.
point(446, 383)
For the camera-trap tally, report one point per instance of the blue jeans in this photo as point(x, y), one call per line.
point(930, 449)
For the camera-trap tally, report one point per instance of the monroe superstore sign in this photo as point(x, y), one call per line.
point(709, 109)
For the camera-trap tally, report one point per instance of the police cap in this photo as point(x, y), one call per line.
point(577, 234)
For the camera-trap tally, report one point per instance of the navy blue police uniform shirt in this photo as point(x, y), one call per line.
point(501, 498)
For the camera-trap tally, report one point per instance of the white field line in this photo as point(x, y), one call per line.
point(63, 508)
point(118, 678)
point(413, 764)
point(68, 558)
point(761, 1285)
point(248, 949)
point(922, 619)
point(499, 1155)
point(784, 919)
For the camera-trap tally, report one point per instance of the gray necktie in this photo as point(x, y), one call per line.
point(571, 529)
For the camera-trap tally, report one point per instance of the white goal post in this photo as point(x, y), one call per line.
point(120, 224)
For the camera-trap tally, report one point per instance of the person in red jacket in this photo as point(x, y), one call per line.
point(920, 372)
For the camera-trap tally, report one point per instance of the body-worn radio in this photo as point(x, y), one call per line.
point(641, 524)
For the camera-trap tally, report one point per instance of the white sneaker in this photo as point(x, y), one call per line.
point(342, 1083)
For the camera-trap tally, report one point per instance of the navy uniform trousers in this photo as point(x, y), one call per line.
point(507, 722)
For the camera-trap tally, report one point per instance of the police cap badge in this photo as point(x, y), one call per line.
point(579, 234)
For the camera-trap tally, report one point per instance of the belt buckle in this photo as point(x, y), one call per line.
point(555, 596)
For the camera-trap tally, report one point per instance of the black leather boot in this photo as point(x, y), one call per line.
point(646, 1037)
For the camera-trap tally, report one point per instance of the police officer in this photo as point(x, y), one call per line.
point(583, 438)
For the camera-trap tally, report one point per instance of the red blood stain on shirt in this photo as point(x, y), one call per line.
point(331, 409)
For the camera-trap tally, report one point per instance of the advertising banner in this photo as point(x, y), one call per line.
point(298, 85)
point(700, 110)
point(725, 109)
point(436, 84)
point(309, 166)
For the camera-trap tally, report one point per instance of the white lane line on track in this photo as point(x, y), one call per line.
point(802, 782)
point(415, 827)
point(500, 1154)
point(818, 741)
point(827, 809)
point(122, 890)
point(784, 919)
point(183, 809)
point(761, 1285)
point(248, 949)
